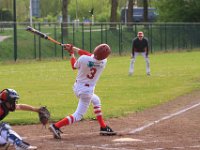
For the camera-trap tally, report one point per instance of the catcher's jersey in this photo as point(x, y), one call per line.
point(89, 69)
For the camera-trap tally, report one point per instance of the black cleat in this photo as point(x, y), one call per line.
point(107, 131)
point(56, 131)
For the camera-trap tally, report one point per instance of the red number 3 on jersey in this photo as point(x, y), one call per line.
point(92, 73)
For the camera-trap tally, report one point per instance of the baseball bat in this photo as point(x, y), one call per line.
point(43, 35)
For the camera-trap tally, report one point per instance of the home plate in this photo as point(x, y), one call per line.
point(127, 140)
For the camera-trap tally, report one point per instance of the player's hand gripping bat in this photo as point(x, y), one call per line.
point(43, 35)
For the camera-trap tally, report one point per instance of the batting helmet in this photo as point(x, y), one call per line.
point(102, 51)
point(10, 96)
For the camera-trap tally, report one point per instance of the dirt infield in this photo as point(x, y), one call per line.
point(174, 125)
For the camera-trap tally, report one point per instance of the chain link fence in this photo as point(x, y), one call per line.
point(161, 36)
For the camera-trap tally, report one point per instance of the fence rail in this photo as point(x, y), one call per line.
point(161, 36)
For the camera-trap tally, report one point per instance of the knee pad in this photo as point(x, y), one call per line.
point(4, 126)
point(8, 134)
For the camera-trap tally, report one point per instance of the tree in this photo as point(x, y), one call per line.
point(53, 8)
point(130, 13)
point(7, 4)
point(64, 16)
point(178, 11)
point(113, 16)
point(5, 15)
point(145, 14)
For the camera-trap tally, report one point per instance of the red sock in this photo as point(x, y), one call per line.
point(65, 121)
point(98, 113)
point(101, 121)
point(61, 123)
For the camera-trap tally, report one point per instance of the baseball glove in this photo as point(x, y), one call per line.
point(44, 115)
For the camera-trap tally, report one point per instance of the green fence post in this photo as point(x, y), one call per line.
point(106, 33)
point(165, 37)
point(151, 38)
point(161, 46)
point(40, 53)
point(90, 38)
point(83, 36)
point(35, 49)
point(15, 30)
point(62, 52)
point(119, 39)
point(55, 45)
point(172, 37)
point(179, 36)
point(73, 28)
point(101, 33)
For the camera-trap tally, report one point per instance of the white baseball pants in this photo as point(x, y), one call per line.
point(131, 68)
point(85, 95)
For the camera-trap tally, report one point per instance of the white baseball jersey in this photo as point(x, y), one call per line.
point(89, 69)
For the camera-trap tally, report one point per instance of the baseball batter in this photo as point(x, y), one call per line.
point(140, 46)
point(8, 100)
point(90, 67)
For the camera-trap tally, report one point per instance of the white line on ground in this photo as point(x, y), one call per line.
point(162, 119)
point(100, 147)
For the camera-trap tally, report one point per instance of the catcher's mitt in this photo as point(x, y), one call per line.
point(44, 115)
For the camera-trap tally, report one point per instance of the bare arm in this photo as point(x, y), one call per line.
point(26, 107)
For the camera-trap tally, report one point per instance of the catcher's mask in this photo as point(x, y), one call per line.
point(102, 51)
point(9, 98)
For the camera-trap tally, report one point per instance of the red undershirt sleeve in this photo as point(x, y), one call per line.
point(83, 52)
point(73, 60)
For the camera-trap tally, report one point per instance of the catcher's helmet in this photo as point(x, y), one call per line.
point(10, 96)
point(102, 51)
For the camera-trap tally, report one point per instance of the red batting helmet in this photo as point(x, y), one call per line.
point(102, 51)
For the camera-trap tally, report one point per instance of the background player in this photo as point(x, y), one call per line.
point(90, 67)
point(8, 102)
point(140, 46)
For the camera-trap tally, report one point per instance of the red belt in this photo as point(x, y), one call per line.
point(87, 85)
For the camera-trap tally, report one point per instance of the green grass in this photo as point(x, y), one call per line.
point(50, 83)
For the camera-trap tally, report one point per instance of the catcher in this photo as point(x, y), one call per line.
point(8, 102)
